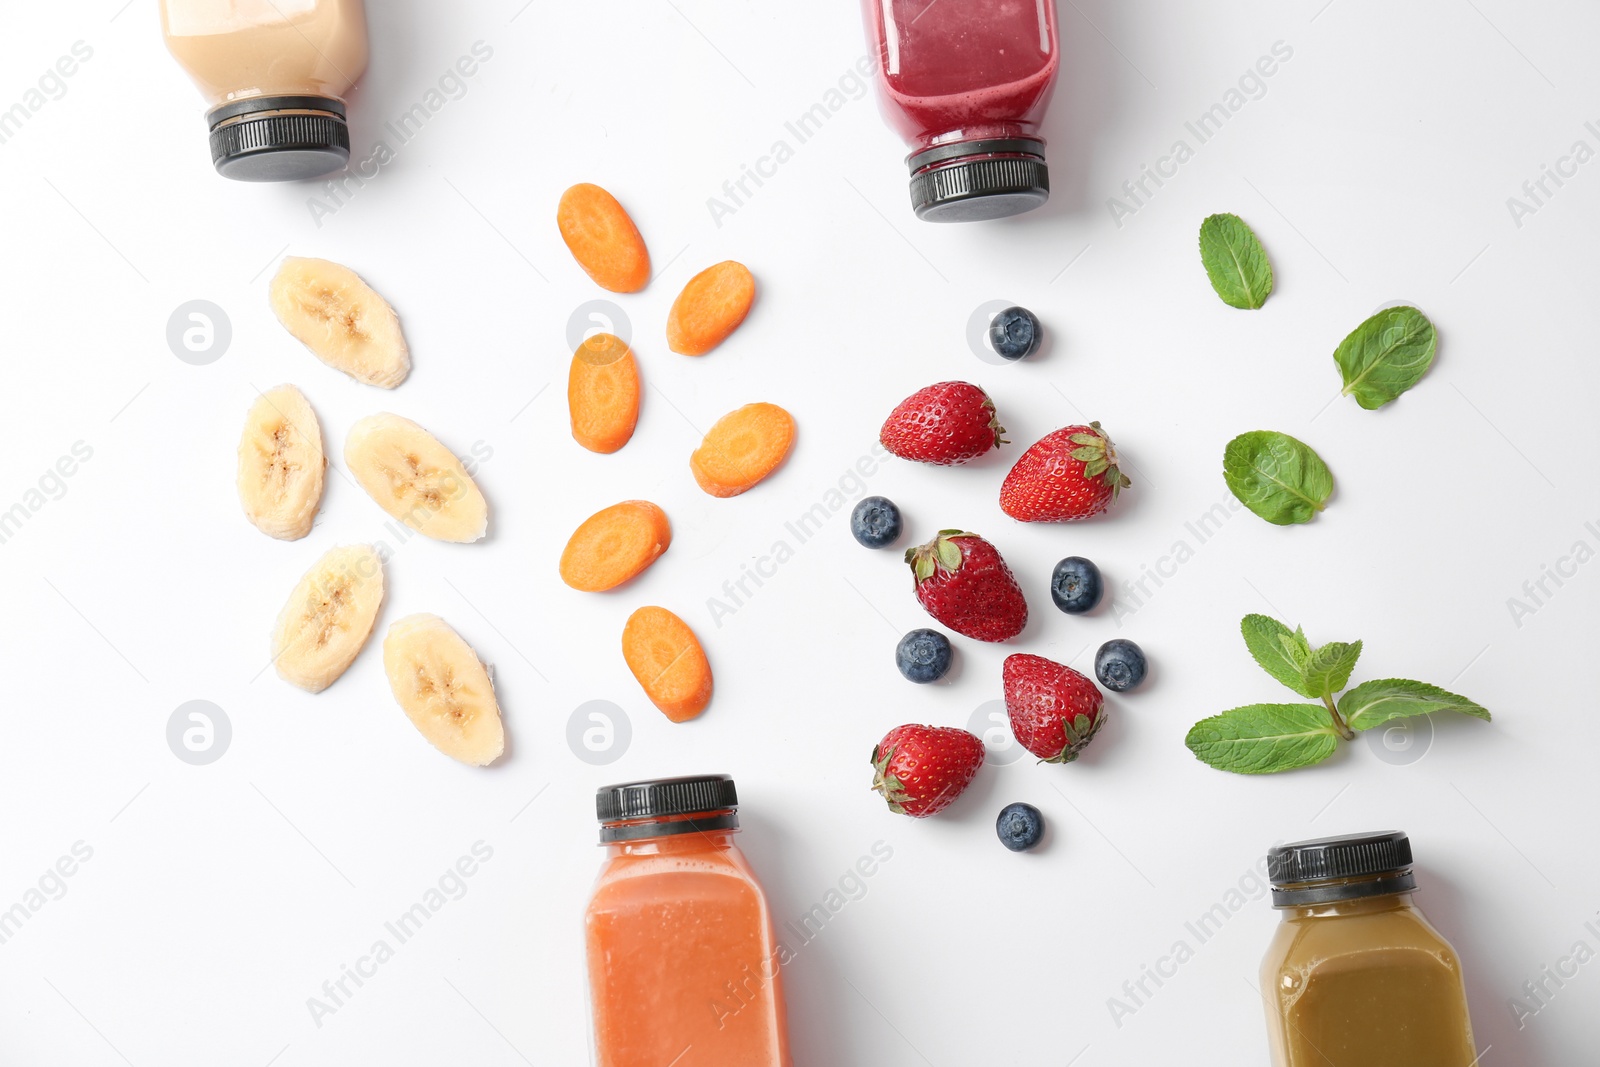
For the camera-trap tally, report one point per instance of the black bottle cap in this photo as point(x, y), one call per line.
point(969, 181)
point(279, 138)
point(666, 798)
point(1340, 868)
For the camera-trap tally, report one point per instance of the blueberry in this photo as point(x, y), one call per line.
point(923, 655)
point(1120, 665)
point(1015, 334)
point(875, 522)
point(1020, 826)
point(1075, 586)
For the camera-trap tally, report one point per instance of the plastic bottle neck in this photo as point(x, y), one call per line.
point(697, 830)
point(1320, 894)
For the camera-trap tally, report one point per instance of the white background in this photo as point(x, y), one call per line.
point(1375, 168)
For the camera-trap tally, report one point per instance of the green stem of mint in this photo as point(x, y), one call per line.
point(1338, 722)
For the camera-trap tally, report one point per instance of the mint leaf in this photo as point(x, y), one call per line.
point(1264, 738)
point(1374, 703)
point(1277, 477)
point(1328, 670)
point(1386, 355)
point(1235, 262)
point(1280, 653)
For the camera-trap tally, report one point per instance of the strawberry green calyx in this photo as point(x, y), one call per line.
point(1080, 731)
point(994, 422)
point(885, 783)
point(940, 553)
point(1099, 458)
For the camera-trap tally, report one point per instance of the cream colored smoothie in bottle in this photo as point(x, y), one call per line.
point(1356, 976)
point(275, 74)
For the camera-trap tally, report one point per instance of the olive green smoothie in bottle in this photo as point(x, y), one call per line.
point(1355, 976)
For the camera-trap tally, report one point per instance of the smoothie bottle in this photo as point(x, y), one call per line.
point(274, 74)
point(965, 84)
point(683, 962)
point(1355, 976)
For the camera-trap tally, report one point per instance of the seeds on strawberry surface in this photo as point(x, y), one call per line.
point(945, 424)
point(919, 770)
point(1055, 711)
point(961, 580)
point(1066, 475)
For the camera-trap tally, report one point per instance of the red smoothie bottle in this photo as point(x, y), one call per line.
point(965, 83)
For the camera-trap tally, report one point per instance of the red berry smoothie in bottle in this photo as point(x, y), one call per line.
point(966, 83)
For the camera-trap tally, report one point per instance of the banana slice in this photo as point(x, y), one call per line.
point(281, 464)
point(328, 617)
point(331, 311)
point(444, 689)
point(415, 478)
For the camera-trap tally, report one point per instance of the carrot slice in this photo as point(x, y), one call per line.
point(711, 306)
point(614, 545)
point(743, 447)
point(666, 658)
point(603, 393)
point(603, 239)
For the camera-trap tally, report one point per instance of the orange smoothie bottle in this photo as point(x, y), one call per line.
point(683, 961)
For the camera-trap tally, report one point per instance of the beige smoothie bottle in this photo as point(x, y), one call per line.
point(275, 74)
point(1355, 976)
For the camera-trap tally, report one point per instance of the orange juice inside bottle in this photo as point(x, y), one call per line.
point(683, 961)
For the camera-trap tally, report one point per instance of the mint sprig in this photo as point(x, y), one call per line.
point(1264, 738)
point(1374, 703)
point(1386, 355)
point(1329, 669)
point(1267, 738)
point(1280, 652)
point(1276, 476)
point(1235, 262)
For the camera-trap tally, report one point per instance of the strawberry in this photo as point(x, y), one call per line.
point(921, 769)
point(946, 424)
point(962, 581)
point(1054, 710)
point(1069, 474)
